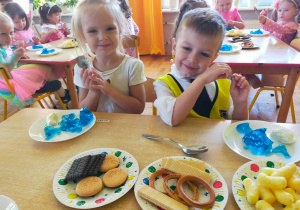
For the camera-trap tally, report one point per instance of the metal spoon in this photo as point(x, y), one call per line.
point(193, 149)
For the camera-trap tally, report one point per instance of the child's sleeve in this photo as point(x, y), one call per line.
point(236, 15)
point(165, 101)
point(288, 28)
point(230, 109)
point(77, 79)
point(136, 28)
point(136, 72)
point(11, 62)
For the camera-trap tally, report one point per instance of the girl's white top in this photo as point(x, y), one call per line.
point(130, 72)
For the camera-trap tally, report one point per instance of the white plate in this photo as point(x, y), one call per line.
point(57, 50)
point(251, 170)
point(221, 192)
point(234, 140)
point(235, 48)
point(265, 33)
point(36, 130)
point(44, 46)
point(7, 203)
point(71, 36)
point(66, 193)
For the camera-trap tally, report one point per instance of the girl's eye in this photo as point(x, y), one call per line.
point(92, 31)
point(110, 28)
point(205, 54)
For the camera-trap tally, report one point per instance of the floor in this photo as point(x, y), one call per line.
point(155, 65)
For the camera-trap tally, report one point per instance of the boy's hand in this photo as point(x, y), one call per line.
point(262, 19)
point(239, 88)
point(36, 40)
point(217, 71)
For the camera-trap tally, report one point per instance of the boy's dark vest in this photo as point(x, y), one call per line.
point(204, 107)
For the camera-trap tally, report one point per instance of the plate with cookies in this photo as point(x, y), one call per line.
point(267, 184)
point(95, 178)
point(180, 182)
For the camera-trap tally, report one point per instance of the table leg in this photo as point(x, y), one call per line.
point(288, 94)
point(71, 85)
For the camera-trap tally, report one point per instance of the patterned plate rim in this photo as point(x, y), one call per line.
point(218, 177)
point(255, 165)
point(131, 165)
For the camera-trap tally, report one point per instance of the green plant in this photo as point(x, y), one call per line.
point(70, 3)
point(38, 3)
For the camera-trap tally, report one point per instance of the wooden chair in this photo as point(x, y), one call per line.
point(150, 93)
point(130, 41)
point(37, 97)
point(277, 83)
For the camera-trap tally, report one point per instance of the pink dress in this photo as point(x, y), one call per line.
point(26, 79)
point(25, 35)
point(284, 31)
point(54, 36)
point(133, 30)
point(233, 15)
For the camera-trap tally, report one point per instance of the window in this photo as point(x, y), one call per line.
point(23, 4)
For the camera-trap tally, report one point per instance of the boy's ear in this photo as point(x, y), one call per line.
point(173, 45)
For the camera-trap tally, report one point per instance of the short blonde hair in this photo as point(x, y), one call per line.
point(83, 7)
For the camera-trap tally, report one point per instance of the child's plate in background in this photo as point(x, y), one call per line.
point(56, 51)
point(71, 36)
point(43, 45)
point(235, 48)
point(264, 33)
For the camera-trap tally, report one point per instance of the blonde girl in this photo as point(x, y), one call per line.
point(231, 15)
point(52, 26)
point(285, 20)
point(113, 81)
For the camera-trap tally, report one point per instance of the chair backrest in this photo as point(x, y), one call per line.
point(36, 29)
point(130, 41)
point(7, 76)
point(150, 93)
point(296, 44)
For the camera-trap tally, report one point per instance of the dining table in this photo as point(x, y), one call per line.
point(271, 56)
point(28, 167)
point(64, 61)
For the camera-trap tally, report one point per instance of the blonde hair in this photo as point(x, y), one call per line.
point(83, 7)
point(5, 19)
point(217, 1)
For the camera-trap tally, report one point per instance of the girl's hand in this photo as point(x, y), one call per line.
point(85, 78)
point(239, 88)
point(36, 40)
point(217, 71)
point(20, 51)
point(20, 43)
point(264, 12)
point(262, 19)
point(54, 30)
point(100, 83)
point(66, 27)
point(230, 23)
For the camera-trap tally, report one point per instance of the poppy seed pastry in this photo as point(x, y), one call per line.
point(114, 177)
point(89, 186)
point(110, 162)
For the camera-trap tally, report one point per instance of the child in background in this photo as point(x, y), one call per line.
point(2, 4)
point(231, 15)
point(113, 81)
point(195, 87)
point(285, 20)
point(22, 30)
point(132, 26)
point(187, 6)
point(27, 79)
point(52, 27)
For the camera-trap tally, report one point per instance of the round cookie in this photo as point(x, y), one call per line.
point(110, 162)
point(114, 177)
point(89, 186)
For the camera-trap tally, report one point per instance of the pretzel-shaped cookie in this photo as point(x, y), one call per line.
point(187, 199)
point(174, 194)
point(157, 173)
point(247, 44)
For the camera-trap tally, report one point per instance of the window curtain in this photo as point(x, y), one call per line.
point(148, 16)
